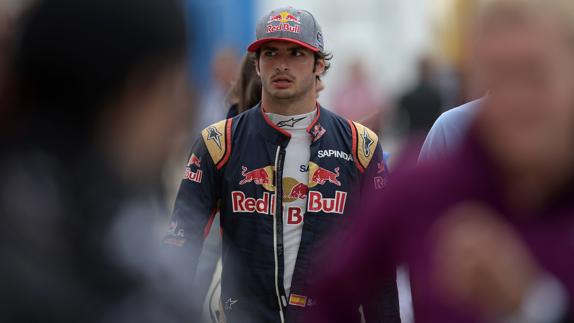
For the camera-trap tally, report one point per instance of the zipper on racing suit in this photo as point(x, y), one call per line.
point(278, 230)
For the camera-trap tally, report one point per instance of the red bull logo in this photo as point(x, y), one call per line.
point(299, 191)
point(318, 203)
point(189, 174)
point(284, 21)
point(193, 176)
point(283, 27)
point(258, 176)
point(244, 204)
point(194, 160)
point(321, 176)
point(284, 17)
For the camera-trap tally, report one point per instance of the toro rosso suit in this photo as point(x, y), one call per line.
point(235, 168)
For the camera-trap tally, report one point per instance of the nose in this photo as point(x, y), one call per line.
point(282, 65)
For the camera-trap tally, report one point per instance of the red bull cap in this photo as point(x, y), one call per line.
point(289, 24)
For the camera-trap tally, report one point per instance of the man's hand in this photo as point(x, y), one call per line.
point(480, 261)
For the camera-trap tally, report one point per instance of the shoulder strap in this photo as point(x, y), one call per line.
point(217, 139)
point(364, 144)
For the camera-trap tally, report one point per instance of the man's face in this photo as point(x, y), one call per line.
point(528, 67)
point(287, 70)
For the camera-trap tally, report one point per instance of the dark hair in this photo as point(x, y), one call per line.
point(326, 56)
point(246, 91)
point(73, 57)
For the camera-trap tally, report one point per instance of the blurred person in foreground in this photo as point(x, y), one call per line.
point(100, 91)
point(487, 231)
point(448, 130)
point(281, 175)
point(357, 99)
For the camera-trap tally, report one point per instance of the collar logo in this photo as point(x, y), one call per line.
point(289, 123)
point(317, 132)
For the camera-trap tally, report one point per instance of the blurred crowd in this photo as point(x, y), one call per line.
point(98, 110)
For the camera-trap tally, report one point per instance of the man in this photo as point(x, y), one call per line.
point(448, 130)
point(486, 231)
point(281, 176)
point(95, 114)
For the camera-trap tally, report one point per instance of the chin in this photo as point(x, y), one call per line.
point(283, 95)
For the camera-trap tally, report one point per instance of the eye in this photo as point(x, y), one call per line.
point(297, 53)
point(269, 53)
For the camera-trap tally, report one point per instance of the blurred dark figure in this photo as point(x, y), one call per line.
point(487, 232)
point(422, 104)
point(100, 91)
point(246, 90)
point(9, 13)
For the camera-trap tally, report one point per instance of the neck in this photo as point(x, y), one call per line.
point(289, 107)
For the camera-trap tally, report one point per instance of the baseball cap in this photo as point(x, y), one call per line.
point(289, 24)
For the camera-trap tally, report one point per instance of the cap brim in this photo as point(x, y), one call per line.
point(258, 43)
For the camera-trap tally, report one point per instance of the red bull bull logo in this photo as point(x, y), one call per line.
point(284, 17)
point(191, 175)
point(194, 160)
point(299, 191)
point(284, 21)
point(321, 176)
point(258, 176)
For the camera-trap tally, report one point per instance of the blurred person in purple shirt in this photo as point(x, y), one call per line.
point(488, 231)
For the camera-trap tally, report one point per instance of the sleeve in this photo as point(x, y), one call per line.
point(199, 193)
point(435, 144)
point(193, 214)
point(194, 210)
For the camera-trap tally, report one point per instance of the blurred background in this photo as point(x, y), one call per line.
point(398, 64)
point(390, 57)
point(387, 53)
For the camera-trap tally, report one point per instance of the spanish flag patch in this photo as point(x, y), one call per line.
point(297, 300)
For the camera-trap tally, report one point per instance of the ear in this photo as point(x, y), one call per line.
point(319, 67)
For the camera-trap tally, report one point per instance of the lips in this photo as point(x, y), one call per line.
point(282, 81)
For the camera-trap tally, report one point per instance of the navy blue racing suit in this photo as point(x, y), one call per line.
point(236, 168)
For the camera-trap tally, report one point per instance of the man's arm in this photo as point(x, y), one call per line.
point(193, 213)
